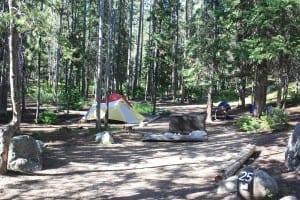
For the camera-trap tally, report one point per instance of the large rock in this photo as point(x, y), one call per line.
point(256, 184)
point(228, 186)
point(187, 123)
point(24, 155)
point(289, 198)
point(105, 138)
point(292, 153)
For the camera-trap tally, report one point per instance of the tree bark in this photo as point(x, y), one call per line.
point(129, 59)
point(107, 62)
point(137, 56)
point(209, 103)
point(98, 94)
point(7, 132)
point(38, 97)
point(261, 84)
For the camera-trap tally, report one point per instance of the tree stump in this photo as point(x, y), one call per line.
point(180, 123)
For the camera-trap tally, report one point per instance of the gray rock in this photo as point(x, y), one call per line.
point(289, 198)
point(292, 153)
point(256, 184)
point(187, 123)
point(41, 145)
point(105, 138)
point(24, 155)
point(228, 185)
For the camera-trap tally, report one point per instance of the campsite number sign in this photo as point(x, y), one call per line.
point(245, 178)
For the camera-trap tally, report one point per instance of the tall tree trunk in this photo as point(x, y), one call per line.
point(83, 68)
point(129, 60)
point(261, 84)
point(98, 95)
point(286, 80)
point(4, 83)
point(154, 64)
point(186, 36)
point(58, 52)
point(242, 91)
point(209, 101)
point(176, 46)
point(7, 132)
point(107, 62)
point(137, 56)
point(22, 69)
point(38, 97)
point(214, 62)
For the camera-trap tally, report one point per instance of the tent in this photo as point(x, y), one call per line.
point(119, 110)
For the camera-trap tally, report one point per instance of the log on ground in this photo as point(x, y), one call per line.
point(234, 166)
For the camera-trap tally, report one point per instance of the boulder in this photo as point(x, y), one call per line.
point(228, 185)
point(292, 153)
point(256, 184)
point(288, 198)
point(24, 155)
point(187, 123)
point(105, 138)
point(41, 145)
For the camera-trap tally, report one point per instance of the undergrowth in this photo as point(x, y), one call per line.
point(274, 121)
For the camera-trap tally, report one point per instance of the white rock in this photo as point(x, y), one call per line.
point(228, 185)
point(104, 138)
point(289, 198)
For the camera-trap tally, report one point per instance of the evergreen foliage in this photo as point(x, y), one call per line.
point(183, 49)
point(47, 117)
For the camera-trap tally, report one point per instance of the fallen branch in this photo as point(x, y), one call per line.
point(236, 164)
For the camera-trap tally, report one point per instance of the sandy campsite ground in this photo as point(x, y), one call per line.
point(76, 167)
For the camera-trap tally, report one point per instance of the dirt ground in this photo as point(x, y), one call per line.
point(76, 167)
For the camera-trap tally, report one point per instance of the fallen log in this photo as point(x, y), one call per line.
point(236, 164)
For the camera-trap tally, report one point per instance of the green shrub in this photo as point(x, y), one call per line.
point(277, 120)
point(47, 117)
point(46, 93)
point(274, 121)
point(72, 101)
point(247, 124)
point(143, 108)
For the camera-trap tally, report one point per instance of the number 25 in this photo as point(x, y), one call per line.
point(246, 176)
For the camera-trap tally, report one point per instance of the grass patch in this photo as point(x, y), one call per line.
point(143, 108)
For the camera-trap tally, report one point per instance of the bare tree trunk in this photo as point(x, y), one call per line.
point(107, 63)
point(209, 102)
point(155, 54)
point(261, 84)
point(38, 96)
point(83, 68)
point(129, 60)
point(137, 56)
point(7, 132)
point(98, 96)
point(186, 36)
point(175, 65)
point(4, 83)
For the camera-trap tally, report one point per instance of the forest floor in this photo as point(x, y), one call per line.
point(76, 167)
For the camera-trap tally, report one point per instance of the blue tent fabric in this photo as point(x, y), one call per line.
point(252, 108)
point(225, 105)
